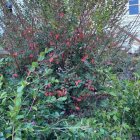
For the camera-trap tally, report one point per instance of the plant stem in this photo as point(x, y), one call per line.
point(13, 131)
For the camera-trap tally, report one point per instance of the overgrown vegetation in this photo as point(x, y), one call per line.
point(61, 79)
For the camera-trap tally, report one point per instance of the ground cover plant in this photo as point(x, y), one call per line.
point(60, 79)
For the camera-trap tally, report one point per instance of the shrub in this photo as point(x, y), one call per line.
point(38, 25)
point(42, 106)
point(57, 82)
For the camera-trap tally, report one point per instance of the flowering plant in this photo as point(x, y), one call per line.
point(60, 58)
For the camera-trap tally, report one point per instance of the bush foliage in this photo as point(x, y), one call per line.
point(59, 80)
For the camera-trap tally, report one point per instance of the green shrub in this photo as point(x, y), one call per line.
point(42, 106)
point(56, 85)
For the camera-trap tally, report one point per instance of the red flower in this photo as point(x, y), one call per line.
point(80, 35)
point(22, 52)
point(51, 33)
point(84, 58)
point(28, 33)
point(51, 59)
point(28, 73)
point(62, 92)
point(63, 55)
point(31, 56)
point(61, 14)
point(91, 88)
point(47, 86)
point(15, 75)
point(77, 82)
point(51, 54)
point(77, 108)
point(32, 46)
point(88, 83)
point(85, 96)
point(109, 63)
point(57, 36)
point(52, 43)
point(77, 99)
point(68, 44)
point(49, 94)
point(92, 61)
point(15, 54)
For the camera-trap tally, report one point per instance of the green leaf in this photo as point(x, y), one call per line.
point(115, 118)
point(61, 99)
point(18, 102)
point(126, 109)
point(102, 131)
point(112, 93)
point(1, 77)
point(20, 117)
point(48, 71)
point(34, 64)
point(48, 50)
point(41, 56)
point(52, 80)
point(56, 81)
point(1, 83)
point(3, 95)
point(34, 108)
point(16, 138)
point(24, 83)
point(11, 108)
point(2, 136)
point(46, 82)
point(118, 138)
point(4, 100)
point(51, 99)
point(20, 89)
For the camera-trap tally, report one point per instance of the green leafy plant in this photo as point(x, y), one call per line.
point(58, 81)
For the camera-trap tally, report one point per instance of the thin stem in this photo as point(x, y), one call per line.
point(13, 132)
point(31, 106)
